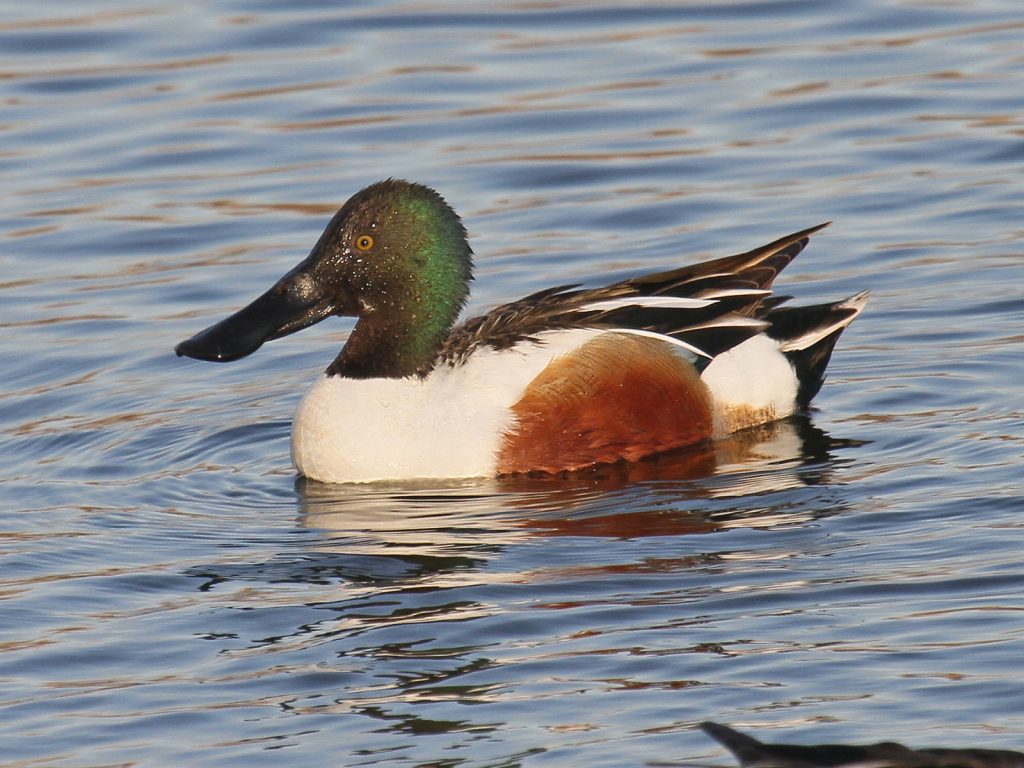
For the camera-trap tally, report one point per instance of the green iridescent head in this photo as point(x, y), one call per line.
point(395, 256)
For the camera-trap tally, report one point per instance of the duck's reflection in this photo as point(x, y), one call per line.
point(405, 591)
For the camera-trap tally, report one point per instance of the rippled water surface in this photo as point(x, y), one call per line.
point(172, 594)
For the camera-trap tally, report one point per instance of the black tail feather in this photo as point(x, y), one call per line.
point(808, 335)
point(810, 365)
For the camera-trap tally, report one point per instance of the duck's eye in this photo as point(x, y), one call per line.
point(364, 242)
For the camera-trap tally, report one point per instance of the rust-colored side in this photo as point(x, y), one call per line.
point(619, 396)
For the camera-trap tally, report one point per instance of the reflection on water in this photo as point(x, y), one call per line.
point(432, 606)
point(422, 554)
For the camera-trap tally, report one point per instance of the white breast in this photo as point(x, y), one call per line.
point(448, 424)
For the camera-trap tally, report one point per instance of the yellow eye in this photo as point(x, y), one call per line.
point(364, 242)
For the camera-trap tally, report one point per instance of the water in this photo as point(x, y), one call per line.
point(174, 595)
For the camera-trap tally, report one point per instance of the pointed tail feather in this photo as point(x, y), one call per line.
point(759, 266)
point(807, 336)
point(744, 748)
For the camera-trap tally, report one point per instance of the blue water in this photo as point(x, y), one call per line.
point(172, 594)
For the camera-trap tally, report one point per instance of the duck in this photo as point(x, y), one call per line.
point(562, 380)
point(752, 753)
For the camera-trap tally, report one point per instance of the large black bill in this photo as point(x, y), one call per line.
point(276, 313)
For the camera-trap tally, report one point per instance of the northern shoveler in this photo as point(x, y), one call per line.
point(563, 379)
point(887, 754)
